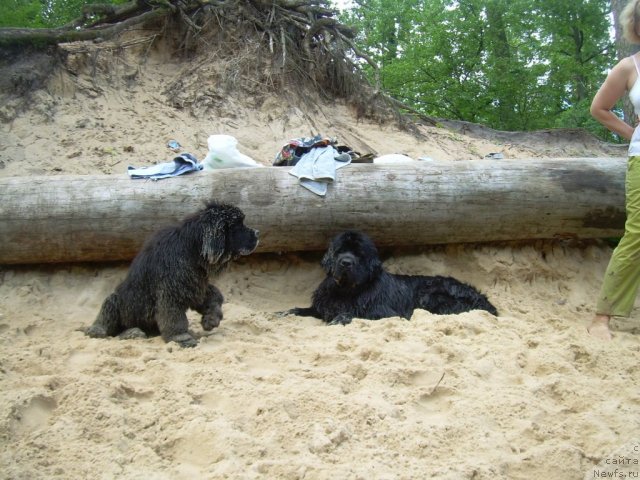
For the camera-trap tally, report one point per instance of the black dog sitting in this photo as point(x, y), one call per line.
point(170, 275)
point(357, 286)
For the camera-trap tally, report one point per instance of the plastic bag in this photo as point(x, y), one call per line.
point(391, 158)
point(223, 153)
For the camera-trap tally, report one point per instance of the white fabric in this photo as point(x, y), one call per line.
point(183, 163)
point(634, 96)
point(317, 168)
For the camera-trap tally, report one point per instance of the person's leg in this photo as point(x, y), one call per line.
point(622, 278)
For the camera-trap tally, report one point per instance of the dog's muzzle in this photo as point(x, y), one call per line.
point(343, 269)
point(256, 241)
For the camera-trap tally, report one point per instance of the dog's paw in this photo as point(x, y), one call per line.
point(132, 333)
point(185, 340)
point(211, 320)
point(95, 331)
point(342, 319)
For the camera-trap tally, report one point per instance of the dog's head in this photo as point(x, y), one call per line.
point(352, 259)
point(224, 235)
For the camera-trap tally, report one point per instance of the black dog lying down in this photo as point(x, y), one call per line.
point(170, 275)
point(357, 286)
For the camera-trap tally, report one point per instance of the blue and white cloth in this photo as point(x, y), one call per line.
point(181, 164)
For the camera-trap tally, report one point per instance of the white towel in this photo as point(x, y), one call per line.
point(317, 168)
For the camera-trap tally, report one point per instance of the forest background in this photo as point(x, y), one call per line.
point(515, 65)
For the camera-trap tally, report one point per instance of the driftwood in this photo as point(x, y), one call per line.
point(97, 218)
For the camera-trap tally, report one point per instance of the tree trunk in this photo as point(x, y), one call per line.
point(97, 218)
point(50, 36)
point(501, 62)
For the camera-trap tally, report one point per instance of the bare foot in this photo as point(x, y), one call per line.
point(599, 327)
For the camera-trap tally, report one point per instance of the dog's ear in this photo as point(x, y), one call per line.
point(327, 262)
point(214, 234)
point(370, 254)
point(375, 267)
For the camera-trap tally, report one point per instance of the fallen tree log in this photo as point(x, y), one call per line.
point(50, 219)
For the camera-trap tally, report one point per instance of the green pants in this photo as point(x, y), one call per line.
point(622, 279)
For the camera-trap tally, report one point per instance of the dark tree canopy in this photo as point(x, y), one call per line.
point(508, 64)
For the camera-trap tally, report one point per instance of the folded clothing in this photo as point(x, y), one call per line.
point(317, 168)
point(181, 164)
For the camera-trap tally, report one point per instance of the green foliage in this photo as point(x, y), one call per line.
point(21, 13)
point(508, 64)
point(59, 12)
point(43, 13)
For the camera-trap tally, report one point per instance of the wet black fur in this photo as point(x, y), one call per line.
point(357, 285)
point(170, 275)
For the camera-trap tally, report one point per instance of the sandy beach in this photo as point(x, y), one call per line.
point(525, 395)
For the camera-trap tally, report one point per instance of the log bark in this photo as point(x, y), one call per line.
point(51, 219)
